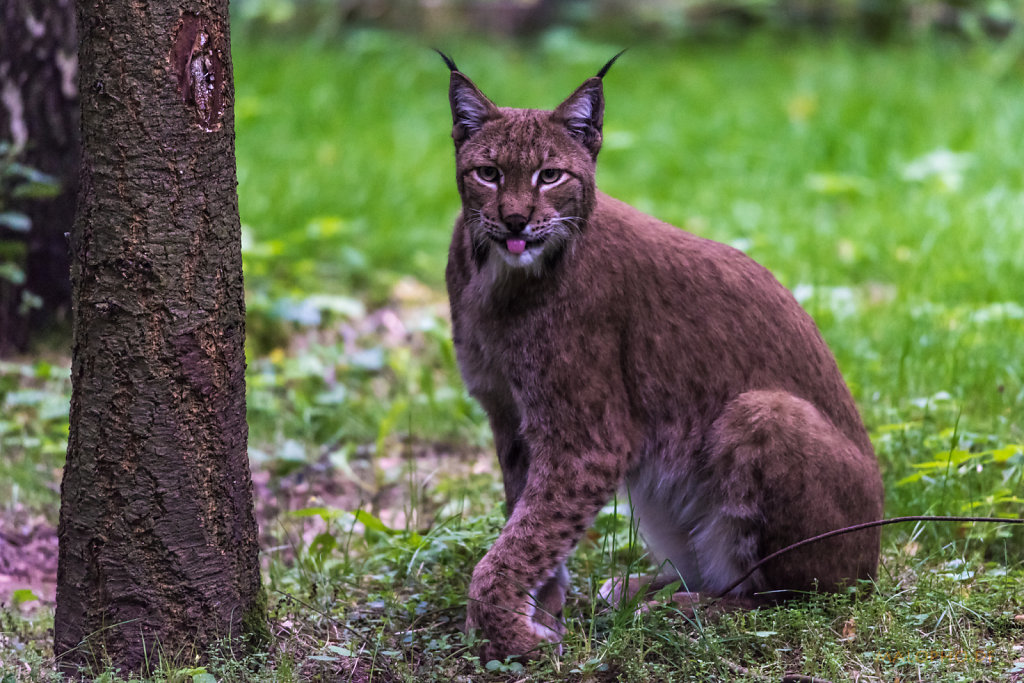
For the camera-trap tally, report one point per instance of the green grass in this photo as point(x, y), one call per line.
point(826, 162)
point(882, 183)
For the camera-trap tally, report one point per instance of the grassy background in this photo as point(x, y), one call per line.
point(879, 183)
point(882, 183)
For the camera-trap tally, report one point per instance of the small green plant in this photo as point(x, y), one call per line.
point(34, 401)
point(18, 182)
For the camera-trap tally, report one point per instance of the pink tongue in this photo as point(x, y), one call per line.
point(516, 246)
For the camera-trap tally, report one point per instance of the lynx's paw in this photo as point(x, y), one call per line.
point(519, 635)
point(513, 622)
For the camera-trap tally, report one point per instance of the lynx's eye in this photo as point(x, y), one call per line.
point(488, 174)
point(549, 176)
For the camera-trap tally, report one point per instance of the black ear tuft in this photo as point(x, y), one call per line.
point(451, 64)
point(470, 107)
point(604, 69)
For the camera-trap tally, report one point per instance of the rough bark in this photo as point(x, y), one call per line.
point(158, 541)
point(39, 116)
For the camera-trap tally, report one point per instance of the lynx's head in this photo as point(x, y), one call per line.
point(526, 176)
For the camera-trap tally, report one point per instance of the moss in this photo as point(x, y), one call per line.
point(255, 629)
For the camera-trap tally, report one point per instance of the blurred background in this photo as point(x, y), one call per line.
point(866, 151)
point(637, 19)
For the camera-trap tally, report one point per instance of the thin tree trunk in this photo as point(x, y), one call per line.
point(158, 542)
point(39, 116)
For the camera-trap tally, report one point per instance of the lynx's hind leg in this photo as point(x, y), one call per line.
point(777, 472)
point(640, 592)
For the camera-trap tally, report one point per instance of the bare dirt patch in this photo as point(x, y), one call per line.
point(400, 489)
point(396, 488)
point(28, 559)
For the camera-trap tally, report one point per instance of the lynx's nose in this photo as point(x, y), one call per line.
point(515, 223)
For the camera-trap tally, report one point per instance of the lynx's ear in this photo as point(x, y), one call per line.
point(470, 107)
point(583, 112)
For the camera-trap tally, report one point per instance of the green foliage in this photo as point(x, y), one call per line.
point(339, 396)
point(341, 183)
point(33, 431)
point(18, 181)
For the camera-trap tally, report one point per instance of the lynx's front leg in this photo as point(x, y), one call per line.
point(520, 579)
point(514, 458)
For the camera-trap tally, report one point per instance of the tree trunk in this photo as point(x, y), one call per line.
point(158, 543)
point(39, 116)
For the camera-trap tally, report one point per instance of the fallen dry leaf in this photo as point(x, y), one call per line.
point(850, 629)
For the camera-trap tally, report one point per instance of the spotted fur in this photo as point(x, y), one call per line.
point(613, 352)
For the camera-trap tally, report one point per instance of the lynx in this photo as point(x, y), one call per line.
point(615, 353)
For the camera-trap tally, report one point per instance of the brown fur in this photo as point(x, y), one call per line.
point(630, 355)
